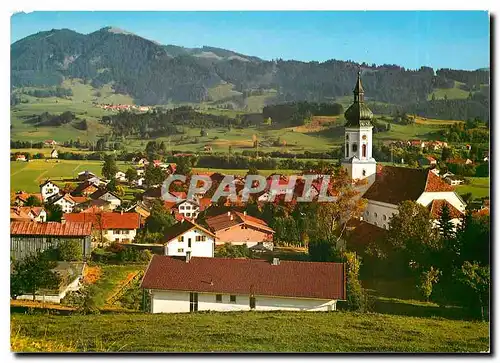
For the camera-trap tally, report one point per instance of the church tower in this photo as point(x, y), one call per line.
point(358, 158)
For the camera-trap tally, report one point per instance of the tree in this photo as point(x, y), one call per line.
point(159, 219)
point(356, 297)
point(427, 280)
point(33, 201)
point(120, 191)
point(12, 197)
point(477, 278)
point(70, 250)
point(323, 250)
point(32, 273)
point(112, 184)
point(54, 213)
point(153, 175)
point(411, 234)
point(446, 227)
point(183, 167)
point(446, 154)
point(109, 169)
point(131, 175)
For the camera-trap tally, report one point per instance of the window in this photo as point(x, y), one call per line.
point(188, 207)
point(218, 298)
point(364, 150)
point(346, 150)
point(385, 226)
point(384, 217)
point(198, 238)
point(180, 239)
point(354, 148)
point(189, 242)
point(117, 240)
point(375, 214)
point(375, 223)
point(203, 238)
point(252, 302)
point(181, 207)
point(124, 231)
point(193, 301)
point(364, 172)
point(367, 213)
point(180, 250)
point(232, 298)
point(117, 231)
point(188, 214)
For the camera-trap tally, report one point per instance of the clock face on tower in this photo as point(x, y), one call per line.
point(364, 137)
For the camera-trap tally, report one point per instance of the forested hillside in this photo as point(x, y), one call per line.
point(160, 74)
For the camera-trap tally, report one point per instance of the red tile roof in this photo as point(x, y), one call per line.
point(106, 220)
point(50, 229)
point(24, 196)
point(364, 233)
point(436, 206)
point(396, 184)
point(223, 221)
point(315, 280)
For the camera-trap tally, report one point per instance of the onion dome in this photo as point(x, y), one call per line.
point(358, 114)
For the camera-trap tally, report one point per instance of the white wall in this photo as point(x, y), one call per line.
point(122, 235)
point(178, 301)
point(375, 212)
point(49, 190)
point(427, 197)
point(67, 207)
point(188, 209)
point(198, 248)
point(112, 199)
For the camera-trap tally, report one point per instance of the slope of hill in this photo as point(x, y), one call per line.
point(163, 74)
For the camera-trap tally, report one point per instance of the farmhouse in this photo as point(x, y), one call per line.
point(239, 228)
point(29, 237)
point(50, 143)
point(178, 285)
point(108, 227)
point(454, 179)
point(48, 189)
point(22, 198)
point(20, 157)
point(120, 176)
point(108, 196)
point(388, 186)
point(35, 214)
point(85, 189)
point(65, 201)
point(187, 237)
point(54, 154)
point(84, 175)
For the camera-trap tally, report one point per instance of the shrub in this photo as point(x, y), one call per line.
point(70, 250)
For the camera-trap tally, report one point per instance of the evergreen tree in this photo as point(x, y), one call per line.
point(109, 169)
point(446, 228)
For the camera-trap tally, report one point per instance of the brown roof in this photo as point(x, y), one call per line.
point(436, 206)
point(81, 187)
point(24, 196)
point(223, 221)
point(19, 214)
point(181, 228)
point(100, 192)
point(396, 184)
point(316, 280)
point(362, 234)
point(50, 229)
point(106, 220)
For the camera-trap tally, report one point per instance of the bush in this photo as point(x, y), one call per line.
point(70, 250)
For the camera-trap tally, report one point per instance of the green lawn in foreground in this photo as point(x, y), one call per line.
point(253, 332)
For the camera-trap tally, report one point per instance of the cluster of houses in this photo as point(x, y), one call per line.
point(186, 277)
point(112, 107)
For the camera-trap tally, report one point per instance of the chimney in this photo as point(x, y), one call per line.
point(276, 261)
point(121, 212)
point(245, 213)
point(188, 256)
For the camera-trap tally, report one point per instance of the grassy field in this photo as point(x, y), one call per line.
point(252, 332)
point(28, 176)
point(479, 187)
point(451, 93)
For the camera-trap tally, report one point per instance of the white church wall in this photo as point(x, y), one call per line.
point(379, 213)
point(427, 197)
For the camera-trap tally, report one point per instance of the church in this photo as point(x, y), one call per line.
point(387, 186)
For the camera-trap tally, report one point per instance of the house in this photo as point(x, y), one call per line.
point(20, 157)
point(417, 143)
point(435, 208)
point(84, 175)
point(140, 171)
point(142, 209)
point(177, 285)
point(387, 186)
point(108, 196)
point(50, 143)
point(188, 208)
point(48, 189)
point(239, 228)
point(459, 161)
point(428, 160)
point(35, 214)
point(394, 185)
point(143, 162)
point(207, 148)
point(108, 227)
point(22, 198)
point(53, 154)
point(84, 189)
point(139, 182)
point(29, 237)
point(65, 201)
point(187, 237)
point(437, 145)
point(120, 176)
point(454, 180)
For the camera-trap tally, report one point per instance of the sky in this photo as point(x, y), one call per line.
point(437, 39)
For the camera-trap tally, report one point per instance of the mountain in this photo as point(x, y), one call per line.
point(153, 73)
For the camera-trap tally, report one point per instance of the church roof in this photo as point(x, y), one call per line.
point(358, 114)
point(436, 206)
point(394, 185)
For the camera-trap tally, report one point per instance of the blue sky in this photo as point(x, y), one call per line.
point(439, 39)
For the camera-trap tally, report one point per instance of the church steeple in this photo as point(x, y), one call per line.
point(358, 114)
